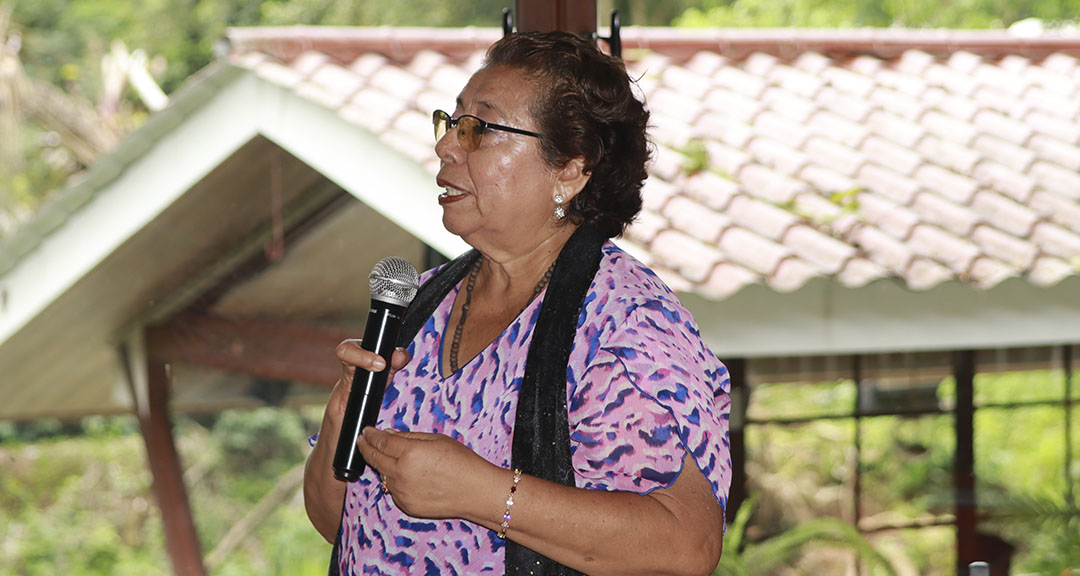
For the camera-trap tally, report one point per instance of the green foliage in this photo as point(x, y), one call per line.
point(285, 545)
point(254, 449)
point(1036, 385)
point(261, 439)
point(802, 399)
point(744, 558)
point(64, 42)
point(907, 465)
point(643, 12)
point(803, 471)
point(399, 13)
point(697, 156)
point(1052, 529)
point(1022, 483)
point(771, 13)
point(51, 523)
point(1043, 520)
point(783, 549)
point(878, 13)
point(75, 498)
point(1001, 453)
point(80, 503)
point(847, 200)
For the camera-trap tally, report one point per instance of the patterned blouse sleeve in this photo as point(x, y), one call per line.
point(651, 392)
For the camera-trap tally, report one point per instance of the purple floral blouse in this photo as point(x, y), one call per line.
point(642, 390)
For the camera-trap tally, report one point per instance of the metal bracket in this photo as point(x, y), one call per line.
point(615, 40)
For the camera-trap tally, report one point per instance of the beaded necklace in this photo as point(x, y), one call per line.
point(455, 344)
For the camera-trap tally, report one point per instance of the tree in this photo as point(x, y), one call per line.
point(902, 13)
point(60, 106)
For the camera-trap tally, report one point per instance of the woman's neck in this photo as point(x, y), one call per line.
point(496, 291)
point(508, 275)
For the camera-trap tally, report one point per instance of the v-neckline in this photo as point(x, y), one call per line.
point(444, 374)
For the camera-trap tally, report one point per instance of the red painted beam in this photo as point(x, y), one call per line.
point(181, 540)
point(578, 16)
point(274, 350)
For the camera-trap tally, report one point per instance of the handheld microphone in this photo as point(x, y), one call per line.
point(393, 283)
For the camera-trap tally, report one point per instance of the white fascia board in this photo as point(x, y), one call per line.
point(823, 318)
point(353, 157)
point(168, 167)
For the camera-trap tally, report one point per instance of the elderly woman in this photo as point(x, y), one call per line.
point(557, 411)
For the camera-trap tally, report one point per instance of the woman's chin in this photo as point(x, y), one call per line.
point(458, 225)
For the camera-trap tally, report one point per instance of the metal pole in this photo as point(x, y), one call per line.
point(857, 370)
point(740, 396)
point(964, 460)
point(1070, 497)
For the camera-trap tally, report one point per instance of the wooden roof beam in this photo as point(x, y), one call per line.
point(275, 350)
point(577, 16)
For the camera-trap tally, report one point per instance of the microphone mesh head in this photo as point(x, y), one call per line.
point(394, 279)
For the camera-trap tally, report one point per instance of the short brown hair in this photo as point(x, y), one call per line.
point(585, 107)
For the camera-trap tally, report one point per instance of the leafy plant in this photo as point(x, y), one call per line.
point(1055, 549)
point(697, 156)
point(784, 549)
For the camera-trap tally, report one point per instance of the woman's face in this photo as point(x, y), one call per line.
point(500, 196)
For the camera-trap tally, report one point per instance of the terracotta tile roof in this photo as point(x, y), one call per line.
point(783, 156)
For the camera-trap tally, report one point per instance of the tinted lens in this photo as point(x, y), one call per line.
point(469, 132)
point(441, 121)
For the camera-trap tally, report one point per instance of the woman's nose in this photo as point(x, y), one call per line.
point(448, 149)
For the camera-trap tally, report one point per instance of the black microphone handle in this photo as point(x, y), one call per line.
point(366, 396)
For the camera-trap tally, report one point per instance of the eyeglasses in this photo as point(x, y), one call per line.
point(470, 129)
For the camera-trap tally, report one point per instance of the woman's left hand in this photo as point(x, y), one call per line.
point(428, 475)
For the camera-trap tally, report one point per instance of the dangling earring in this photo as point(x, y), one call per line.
point(560, 212)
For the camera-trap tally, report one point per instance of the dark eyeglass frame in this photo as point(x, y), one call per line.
point(470, 142)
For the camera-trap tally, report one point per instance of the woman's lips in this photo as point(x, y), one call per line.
point(451, 195)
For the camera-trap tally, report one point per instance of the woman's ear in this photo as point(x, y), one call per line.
point(571, 179)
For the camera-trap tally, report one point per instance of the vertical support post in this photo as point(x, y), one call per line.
point(149, 382)
point(181, 539)
point(857, 488)
point(964, 461)
point(740, 397)
point(1070, 496)
point(577, 16)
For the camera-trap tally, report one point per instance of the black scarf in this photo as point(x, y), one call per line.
point(541, 445)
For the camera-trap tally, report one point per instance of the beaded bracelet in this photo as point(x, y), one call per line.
point(509, 504)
